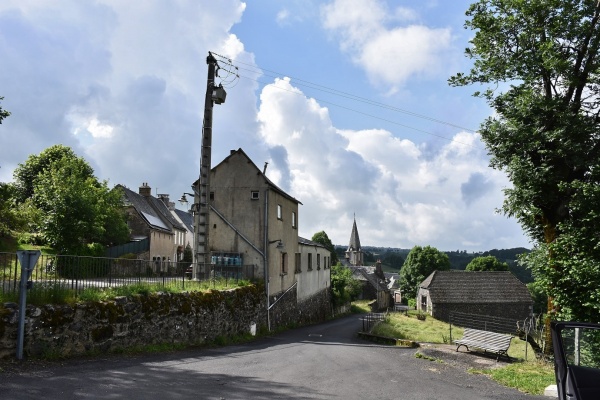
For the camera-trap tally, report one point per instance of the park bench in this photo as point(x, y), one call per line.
point(497, 343)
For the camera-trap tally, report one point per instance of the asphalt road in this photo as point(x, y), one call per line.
point(325, 361)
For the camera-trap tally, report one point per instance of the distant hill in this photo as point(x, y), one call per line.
point(459, 259)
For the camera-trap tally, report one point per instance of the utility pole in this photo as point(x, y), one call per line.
point(214, 94)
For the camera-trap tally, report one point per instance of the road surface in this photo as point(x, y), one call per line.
point(325, 361)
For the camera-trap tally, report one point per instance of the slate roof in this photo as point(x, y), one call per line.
point(307, 242)
point(475, 287)
point(186, 218)
point(152, 210)
point(354, 244)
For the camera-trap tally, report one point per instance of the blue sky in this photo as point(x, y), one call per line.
point(347, 100)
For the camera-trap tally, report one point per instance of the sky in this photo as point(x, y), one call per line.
point(347, 100)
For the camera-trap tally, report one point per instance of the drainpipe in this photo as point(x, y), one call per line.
point(266, 257)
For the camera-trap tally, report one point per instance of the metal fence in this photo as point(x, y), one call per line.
point(79, 273)
point(482, 322)
point(369, 320)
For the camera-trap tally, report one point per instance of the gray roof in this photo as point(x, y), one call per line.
point(354, 239)
point(480, 286)
point(187, 218)
point(307, 242)
point(152, 210)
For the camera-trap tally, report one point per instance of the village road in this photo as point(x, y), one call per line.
point(325, 361)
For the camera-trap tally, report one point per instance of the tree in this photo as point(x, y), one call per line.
point(541, 63)
point(75, 209)
point(486, 263)
point(322, 238)
point(393, 259)
point(343, 285)
point(3, 113)
point(419, 264)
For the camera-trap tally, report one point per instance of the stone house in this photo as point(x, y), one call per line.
point(486, 293)
point(375, 285)
point(255, 221)
point(150, 218)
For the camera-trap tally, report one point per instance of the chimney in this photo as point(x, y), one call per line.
point(379, 270)
point(164, 198)
point(265, 168)
point(145, 190)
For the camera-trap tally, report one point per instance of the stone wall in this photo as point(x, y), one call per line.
point(135, 321)
point(287, 311)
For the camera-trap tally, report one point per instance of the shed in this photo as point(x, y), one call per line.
point(490, 293)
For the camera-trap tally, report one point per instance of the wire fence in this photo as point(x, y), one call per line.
point(79, 273)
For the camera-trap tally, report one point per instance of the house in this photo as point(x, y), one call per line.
point(375, 285)
point(255, 222)
point(354, 253)
point(494, 294)
point(150, 219)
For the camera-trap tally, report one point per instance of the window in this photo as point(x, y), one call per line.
point(279, 211)
point(254, 195)
point(284, 267)
point(423, 303)
point(310, 261)
point(298, 261)
point(212, 196)
point(318, 261)
point(293, 219)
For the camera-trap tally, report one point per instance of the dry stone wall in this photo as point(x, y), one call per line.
point(134, 321)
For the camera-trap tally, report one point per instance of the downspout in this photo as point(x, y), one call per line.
point(266, 257)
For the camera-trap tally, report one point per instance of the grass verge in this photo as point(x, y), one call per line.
point(525, 374)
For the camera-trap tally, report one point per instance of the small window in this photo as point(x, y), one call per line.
point(318, 261)
point(298, 261)
point(279, 214)
point(254, 195)
point(284, 266)
point(310, 261)
point(293, 219)
point(212, 196)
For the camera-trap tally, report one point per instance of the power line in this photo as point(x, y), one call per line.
point(321, 101)
point(302, 82)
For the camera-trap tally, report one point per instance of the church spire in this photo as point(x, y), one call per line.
point(354, 254)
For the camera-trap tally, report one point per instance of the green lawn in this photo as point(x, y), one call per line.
point(529, 376)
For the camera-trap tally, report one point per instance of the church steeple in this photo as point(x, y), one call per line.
point(354, 254)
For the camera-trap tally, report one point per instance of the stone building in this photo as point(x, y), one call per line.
point(256, 222)
point(486, 293)
point(354, 254)
point(150, 218)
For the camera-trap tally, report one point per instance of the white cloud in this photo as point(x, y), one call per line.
point(401, 196)
point(381, 42)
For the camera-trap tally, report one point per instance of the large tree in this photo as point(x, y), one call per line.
point(322, 238)
point(486, 263)
point(540, 65)
point(419, 264)
point(75, 209)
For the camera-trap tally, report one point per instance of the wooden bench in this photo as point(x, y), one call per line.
point(497, 343)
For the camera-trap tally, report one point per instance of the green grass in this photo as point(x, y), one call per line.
point(361, 306)
point(401, 326)
point(530, 377)
point(57, 294)
point(527, 375)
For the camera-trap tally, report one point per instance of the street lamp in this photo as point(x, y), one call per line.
point(184, 201)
